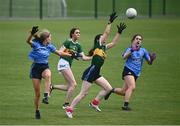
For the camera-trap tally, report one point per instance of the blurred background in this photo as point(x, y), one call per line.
point(52, 9)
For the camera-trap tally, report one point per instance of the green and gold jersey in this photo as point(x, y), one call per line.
point(71, 47)
point(99, 55)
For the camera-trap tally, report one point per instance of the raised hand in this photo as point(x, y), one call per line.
point(112, 17)
point(34, 30)
point(121, 27)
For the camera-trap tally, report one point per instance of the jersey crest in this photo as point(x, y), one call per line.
point(100, 53)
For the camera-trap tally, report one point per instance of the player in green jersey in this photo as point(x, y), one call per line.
point(73, 47)
point(92, 73)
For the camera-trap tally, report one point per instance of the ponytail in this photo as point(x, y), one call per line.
point(96, 39)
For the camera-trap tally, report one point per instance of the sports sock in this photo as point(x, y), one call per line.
point(95, 102)
point(69, 109)
point(113, 90)
point(45, 95)
point(126, 104)
point(37, 111)
point(66, 104)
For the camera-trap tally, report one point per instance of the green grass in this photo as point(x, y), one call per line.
point(156, 100)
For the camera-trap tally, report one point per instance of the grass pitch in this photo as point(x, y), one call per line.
point(156, 100)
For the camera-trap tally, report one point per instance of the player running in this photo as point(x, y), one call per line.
point(92, 73)
point(41, 48)
point(72, 46)
point(134, 56)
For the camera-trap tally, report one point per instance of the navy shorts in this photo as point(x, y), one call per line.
point(37, 69)
point(91, 74)
point(127, 71)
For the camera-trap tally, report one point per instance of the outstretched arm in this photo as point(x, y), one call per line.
point(84, 57)
point(106, 33)
point(116, 38)
point(62, 52)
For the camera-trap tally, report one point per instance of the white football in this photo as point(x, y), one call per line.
point(131, 13)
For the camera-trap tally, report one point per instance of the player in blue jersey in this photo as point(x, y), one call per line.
point(134, 56)
point(41, 48)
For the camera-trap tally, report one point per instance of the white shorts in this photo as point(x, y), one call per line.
point(62, 65)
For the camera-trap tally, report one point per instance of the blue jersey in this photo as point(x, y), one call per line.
point(40, 52)
point(135, 61)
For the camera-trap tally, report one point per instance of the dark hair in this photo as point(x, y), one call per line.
point(72, 31)
point(96, 39)
point(135, 37)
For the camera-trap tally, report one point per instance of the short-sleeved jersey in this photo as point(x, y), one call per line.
point(135, 60)
point(99, 54)
point(71, 46)
point(40, 52)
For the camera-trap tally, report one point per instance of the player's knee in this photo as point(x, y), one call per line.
point(72, 86)
point(132, 88)
point(109, 89)
point(75, 85)
point(83, 94)
point(47, 74)
point(38, 95)
point(86, 93)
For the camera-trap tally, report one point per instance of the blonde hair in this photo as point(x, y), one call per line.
point(43, 34)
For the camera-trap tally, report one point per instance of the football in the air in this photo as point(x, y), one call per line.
point(131, 13)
